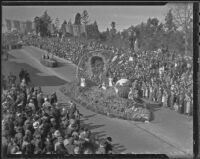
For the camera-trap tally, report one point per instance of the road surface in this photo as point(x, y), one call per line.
point(169, 133)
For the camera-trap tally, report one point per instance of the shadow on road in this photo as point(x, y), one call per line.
point(11, 56)
point(89, 116)
point(118, 148)
point(61, 64)
point(99, 134)
point(91, 126)
point(153, 107)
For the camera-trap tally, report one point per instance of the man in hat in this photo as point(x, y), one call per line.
point(109, 147)
point(53, 98)
point(40, 99)
point(32, 106)
point(27, 146)
point(38, 146)
point(69, 145)
point(46, 105)
point(19, 136)
point(72, 109)
point(59, 147)
point(49, 147)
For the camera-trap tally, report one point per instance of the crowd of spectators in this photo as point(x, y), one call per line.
point(162, 75)
point(34, 123)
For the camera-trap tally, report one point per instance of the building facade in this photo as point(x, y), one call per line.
point(19, 26)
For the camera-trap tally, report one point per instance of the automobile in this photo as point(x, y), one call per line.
point(49, 62)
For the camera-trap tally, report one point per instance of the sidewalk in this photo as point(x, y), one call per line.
point(171, 127)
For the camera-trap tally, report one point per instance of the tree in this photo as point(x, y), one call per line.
point(77, 19)
point(37, 24)
point(183, 18)
point(154, 22)
point(45, 20)
point(113, 30)
point(92, 31)
point(63, 27)
point(85, 17)
point(57, 23)
point(70, 21)
point(169, 22)
point(113, 24)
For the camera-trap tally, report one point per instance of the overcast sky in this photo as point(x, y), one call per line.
point(124, 16)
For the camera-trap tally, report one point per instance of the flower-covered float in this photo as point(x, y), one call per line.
point(96, 90)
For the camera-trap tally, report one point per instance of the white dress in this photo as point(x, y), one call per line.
point(163, 99)
point(188, 107)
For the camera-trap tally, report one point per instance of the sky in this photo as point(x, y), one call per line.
point(123, 16)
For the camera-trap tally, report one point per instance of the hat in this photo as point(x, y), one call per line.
point(52, 119)
point(75, 133)
point(57, 133)
point(109, 139)
point(36, 125)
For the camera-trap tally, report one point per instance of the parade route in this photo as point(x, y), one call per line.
point(169, 133)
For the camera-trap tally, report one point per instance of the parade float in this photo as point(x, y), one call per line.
point(96, 91)
point(48, 62)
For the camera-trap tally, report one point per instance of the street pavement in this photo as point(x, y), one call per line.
point(169, 133)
